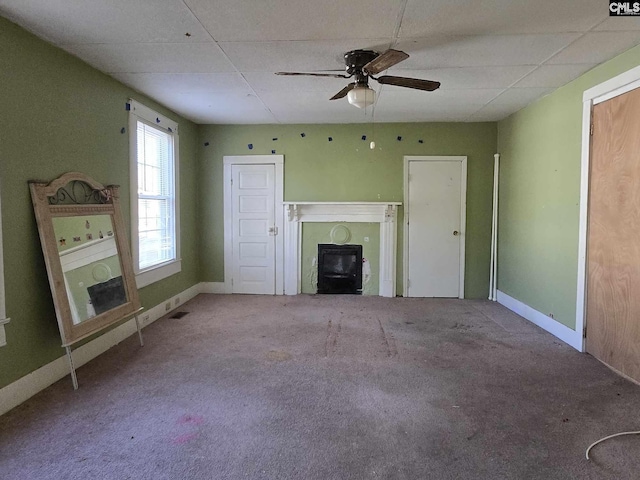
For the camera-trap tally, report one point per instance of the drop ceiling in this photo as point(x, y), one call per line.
point(213, 61)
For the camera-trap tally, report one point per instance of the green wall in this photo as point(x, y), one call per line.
point(540, 149)
point(346, 169)
point(57, 115)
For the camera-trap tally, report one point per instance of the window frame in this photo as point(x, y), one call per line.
point(139, 112)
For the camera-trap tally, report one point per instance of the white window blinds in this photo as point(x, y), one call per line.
point(156, 197)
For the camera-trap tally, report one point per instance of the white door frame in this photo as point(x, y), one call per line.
point(278, 162)
point(463, 215)
point(619, 85)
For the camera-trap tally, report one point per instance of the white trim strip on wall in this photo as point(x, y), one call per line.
point(583, 212)
point(564, 333)
point(463, 224)
point(493, 273)
point(3, 313)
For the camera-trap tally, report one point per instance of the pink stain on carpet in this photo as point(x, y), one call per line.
point(182, 439)
point(190, 420)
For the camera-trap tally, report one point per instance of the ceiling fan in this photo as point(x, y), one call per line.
point(364, 64)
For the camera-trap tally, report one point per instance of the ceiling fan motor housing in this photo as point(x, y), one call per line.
point(356, 59)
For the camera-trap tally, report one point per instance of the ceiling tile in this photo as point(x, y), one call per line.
point(482, 51)
point(291, 116)
point(251, 20)
point(320, 88)
point(299, 107)
point(320, 117)
point(409, 99)
point(553, 75)
point(616, 24)
point(221, 108)
point(441, 105)
point(520, 97)
point(489, 116)
point(269, 82)
point(510, 101)
point(398, 115)
point(295, 56)
point(468, 17)
point(596, 47)
point(469, 77)
point(153, 57)
point(79, 21)
point(156, 83)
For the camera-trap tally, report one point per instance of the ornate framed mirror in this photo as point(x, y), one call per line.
point(87, 256)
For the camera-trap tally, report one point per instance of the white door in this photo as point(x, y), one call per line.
point(253, 217)
point(434, 227)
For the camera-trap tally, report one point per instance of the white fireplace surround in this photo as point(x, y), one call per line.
point(384, 213)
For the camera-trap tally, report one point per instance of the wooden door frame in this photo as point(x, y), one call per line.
point(619, 85)
point(463, 215)
point(278, 162)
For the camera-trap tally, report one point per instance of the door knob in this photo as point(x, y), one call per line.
point(456, 233)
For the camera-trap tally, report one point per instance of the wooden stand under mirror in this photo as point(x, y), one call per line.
point(87, 256)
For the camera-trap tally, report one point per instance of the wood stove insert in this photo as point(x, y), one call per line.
point(339, 269)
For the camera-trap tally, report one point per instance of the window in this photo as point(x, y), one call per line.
point(3, 314)
point(154, 194)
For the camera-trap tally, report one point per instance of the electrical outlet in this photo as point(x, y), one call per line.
point(177, 301)
point(145, 319)
point(167, 306)
point(551, 316)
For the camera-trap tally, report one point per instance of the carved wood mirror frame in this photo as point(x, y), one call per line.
point(78, 195)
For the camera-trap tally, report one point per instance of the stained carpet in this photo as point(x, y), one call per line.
point(330, 387)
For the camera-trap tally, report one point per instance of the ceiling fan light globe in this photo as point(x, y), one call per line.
point(361, 97)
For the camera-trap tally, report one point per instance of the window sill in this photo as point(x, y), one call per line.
point(158, 273)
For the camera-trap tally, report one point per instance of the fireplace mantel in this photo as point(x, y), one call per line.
point(384, 213)
point(373, 212)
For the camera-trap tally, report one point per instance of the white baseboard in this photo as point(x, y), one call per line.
point(153, 314)
point(24, 388)
point(545, 322)
point(213, 287)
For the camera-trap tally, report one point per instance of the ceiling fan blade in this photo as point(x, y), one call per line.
point(384, 60)
point(418, 84)
point(343, 93)
point(334, 75)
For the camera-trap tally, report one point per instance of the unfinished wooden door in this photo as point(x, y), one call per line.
point(613, 255)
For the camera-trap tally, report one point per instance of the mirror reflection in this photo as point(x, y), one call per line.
point(91, 264)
